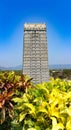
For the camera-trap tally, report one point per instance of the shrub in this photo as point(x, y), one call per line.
point(11, 85)
point(45, 107)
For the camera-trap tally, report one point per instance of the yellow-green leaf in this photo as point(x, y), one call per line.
point(17, 100)
point(22, 116)
point(31, 129)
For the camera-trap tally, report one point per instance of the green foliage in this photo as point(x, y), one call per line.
point(62, 74)
point(11, 85)
point(45, 107)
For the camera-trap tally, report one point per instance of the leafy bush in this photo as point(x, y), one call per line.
point(11, 85)
point(45, 107)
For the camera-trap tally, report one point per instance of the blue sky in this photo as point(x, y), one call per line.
point(55, 13)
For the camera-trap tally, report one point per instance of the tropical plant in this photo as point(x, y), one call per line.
point(45, 107)
point(11, 85)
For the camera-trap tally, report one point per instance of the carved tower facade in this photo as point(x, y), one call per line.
point(35, 54)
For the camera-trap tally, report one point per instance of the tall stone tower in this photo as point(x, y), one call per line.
point(35, 56)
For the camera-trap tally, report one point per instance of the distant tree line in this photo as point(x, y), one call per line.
point(62, 74)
